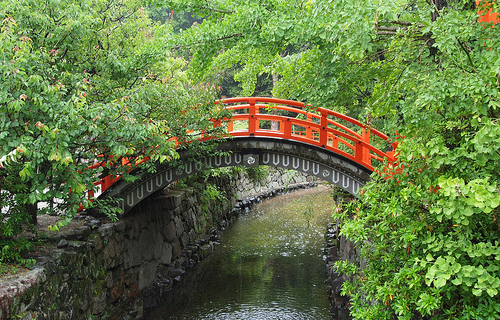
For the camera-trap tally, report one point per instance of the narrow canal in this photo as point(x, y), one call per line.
point(269, 266)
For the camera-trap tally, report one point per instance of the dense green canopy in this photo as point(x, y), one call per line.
point(86, 82)
point(425, 69)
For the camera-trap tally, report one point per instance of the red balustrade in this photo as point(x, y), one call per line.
point(315, 126)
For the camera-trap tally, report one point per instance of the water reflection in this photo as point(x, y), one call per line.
point(269, 266)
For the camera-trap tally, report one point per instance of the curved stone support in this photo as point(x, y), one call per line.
point(250, 152)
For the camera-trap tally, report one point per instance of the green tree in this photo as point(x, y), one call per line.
point(425, 69)
point(289, 40)
point(230, 36)
point(430, 232)
point(86, 83)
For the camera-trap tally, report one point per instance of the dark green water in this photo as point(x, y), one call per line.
point(269, 266)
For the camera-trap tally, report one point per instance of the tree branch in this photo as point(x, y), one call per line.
point(406, 23)
point(389, 31)
point(216, 10)
point(198, 42)
point(466, 52)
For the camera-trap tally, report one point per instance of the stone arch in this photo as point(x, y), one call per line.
point(250, 152)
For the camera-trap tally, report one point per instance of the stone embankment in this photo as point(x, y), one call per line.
point(338, 247)
point(120, 270)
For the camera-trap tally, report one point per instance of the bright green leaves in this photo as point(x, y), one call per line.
point(25, 173)
point(476, 279)
point(443, 226)
point(479, 279)
point(462, 200)
point(448, 38)
point(483, 147)
point(470, 267)
point(466, 206)
point(441, 271)
point(56, 156)
point(85, 82)
point(482, 195)
point(427, 303)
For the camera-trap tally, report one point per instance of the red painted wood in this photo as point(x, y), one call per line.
point(486, 13)
point(316, 126)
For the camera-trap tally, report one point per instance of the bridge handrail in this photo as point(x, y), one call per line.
point(321, 129)
point(331, 134)
point(301, 106)
point(298, 111)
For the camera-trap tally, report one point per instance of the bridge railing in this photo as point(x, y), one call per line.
point(253, 116)
point(259, 117)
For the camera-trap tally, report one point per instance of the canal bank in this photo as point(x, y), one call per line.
point(103, 270)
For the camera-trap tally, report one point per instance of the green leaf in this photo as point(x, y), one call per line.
point(440, 281)
point(492, 292)
point(477, 292)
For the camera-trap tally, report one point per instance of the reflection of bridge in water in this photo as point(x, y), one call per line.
point(316, 141)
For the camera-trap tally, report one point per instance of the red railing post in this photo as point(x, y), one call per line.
point(365, 136)
point(323, 134)
point(335, 142)
point(287, 129)
point(105, 183)
point(308, 129)
point(90, 196)
point(252, 120)
point(361, 153)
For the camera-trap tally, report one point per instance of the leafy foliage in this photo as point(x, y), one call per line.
point(424, 70)
point(86, 83)
point(430, 233)
point(12, 250)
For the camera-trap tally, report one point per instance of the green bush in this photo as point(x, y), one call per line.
point(12, 252)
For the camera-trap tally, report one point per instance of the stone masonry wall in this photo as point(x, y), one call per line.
point(104, 270)
point(340, 248)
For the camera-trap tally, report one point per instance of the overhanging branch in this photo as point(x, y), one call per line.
point(198, 42)
point(393, 30)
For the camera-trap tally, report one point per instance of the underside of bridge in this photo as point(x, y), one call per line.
point(249, 152)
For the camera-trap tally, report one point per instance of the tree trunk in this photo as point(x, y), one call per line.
point(32, 210)
point(438, 6)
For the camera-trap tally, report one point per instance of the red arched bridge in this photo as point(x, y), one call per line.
point(279, 133)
